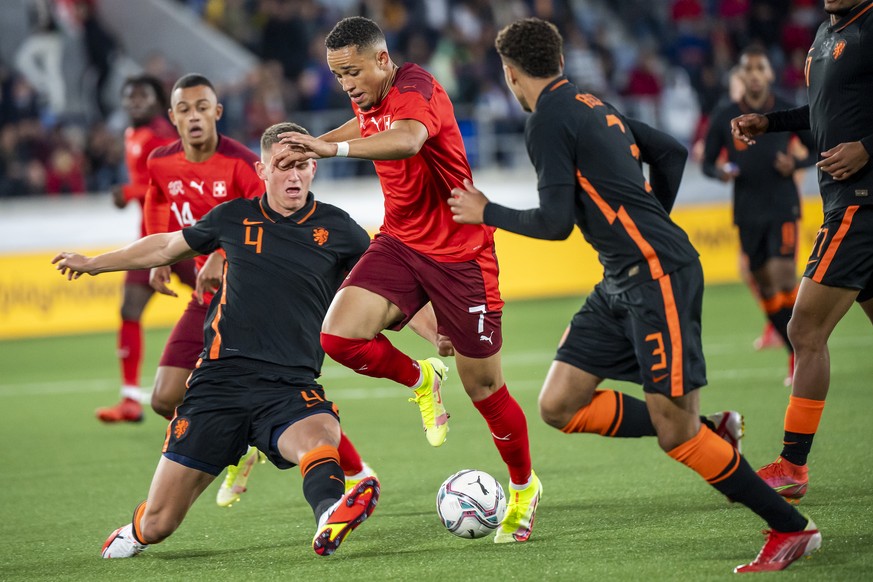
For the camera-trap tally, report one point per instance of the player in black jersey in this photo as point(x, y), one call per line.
point(766, 202)
point(255, 383)
point(839, 79)
point(642, 322)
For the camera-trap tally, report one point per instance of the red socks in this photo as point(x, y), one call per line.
point(508, 428)
point(349, 459)
point(376, 358)
point(130, 351)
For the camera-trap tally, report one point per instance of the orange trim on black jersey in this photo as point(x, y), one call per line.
point(215, 348)
point(677, 375)
point(264, 210)
point(308, 214)
point(629, 225)
point(854, 18)
point(835, 243)
point(558, 84)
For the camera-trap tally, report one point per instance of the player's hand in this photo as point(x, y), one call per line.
point(785, 164)
point(728, 172)
point(286, 158)
point(73, 265)
point(468, 204)
point(444, 346)
point(308, 146)
point(844, 160)
point(118, 196)
point(746, 127)
point(158, 279)
point(209, 277)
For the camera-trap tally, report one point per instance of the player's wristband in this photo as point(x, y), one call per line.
point(342, 149)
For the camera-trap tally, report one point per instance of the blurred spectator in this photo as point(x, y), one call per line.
point(64, 173)
point(105, 156)
point(100, 48)
point(41, 54)
point(286, 34)
point(643, 89)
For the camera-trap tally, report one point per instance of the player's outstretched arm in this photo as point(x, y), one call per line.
point(403, 140)
point(151, 251)
point(552, 220)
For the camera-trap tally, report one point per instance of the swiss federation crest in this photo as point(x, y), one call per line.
point(219, 189)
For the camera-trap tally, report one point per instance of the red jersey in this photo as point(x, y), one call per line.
point(181, 192)
point(139, 142)
point(417, 189)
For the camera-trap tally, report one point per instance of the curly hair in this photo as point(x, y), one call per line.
point(271, 134)
point(355, 31)
point(146, 80)
point(534, 45)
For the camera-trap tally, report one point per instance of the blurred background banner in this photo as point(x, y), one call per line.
point(36, 301)
point(63, 62)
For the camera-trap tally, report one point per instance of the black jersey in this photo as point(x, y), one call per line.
point(280, 276)
point(761, 193)
point(584, 146)
point(839, 79)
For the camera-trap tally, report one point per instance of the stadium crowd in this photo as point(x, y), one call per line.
point(627, 52)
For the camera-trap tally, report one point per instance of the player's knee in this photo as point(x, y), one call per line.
point(554, 414)
point(804, 336)
point(161, 404)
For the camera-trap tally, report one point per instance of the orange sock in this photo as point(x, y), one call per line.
point(318, 456)
point(614, 414)
point(803, 415)
point(137, 517)
point(801, 423)
point(708, 455)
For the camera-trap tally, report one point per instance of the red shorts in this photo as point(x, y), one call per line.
point(465, 296)
point(186, 340)
point(185, 270)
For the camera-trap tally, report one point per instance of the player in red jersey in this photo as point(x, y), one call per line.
point(144, 100)
point(405, 123)
point(187, 179)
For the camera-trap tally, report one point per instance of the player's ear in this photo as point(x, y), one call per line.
point(219, 109)
point(314, 167)
point(261, 170)
point(562, 64)
point(171, 115)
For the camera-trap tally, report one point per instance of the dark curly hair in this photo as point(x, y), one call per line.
point(534, 45)
point(145, 80)
point(355, 31)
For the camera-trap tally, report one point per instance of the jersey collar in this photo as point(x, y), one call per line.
point(851, 16)
point(556, 84)
point(298, 217)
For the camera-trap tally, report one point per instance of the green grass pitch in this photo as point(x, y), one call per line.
point(612, 509)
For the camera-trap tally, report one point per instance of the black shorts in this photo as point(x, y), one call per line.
point(842, 255)
point(762, 242)
point(228, 407)
point(649, 334)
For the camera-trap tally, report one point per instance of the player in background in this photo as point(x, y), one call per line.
point(642, 322)
point(256, 381)
point(839, 272)
point(145, 102)
point(766, 202)
point(404, 122)
point(187, 179)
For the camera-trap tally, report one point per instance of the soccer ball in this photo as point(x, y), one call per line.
point(471, 504)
